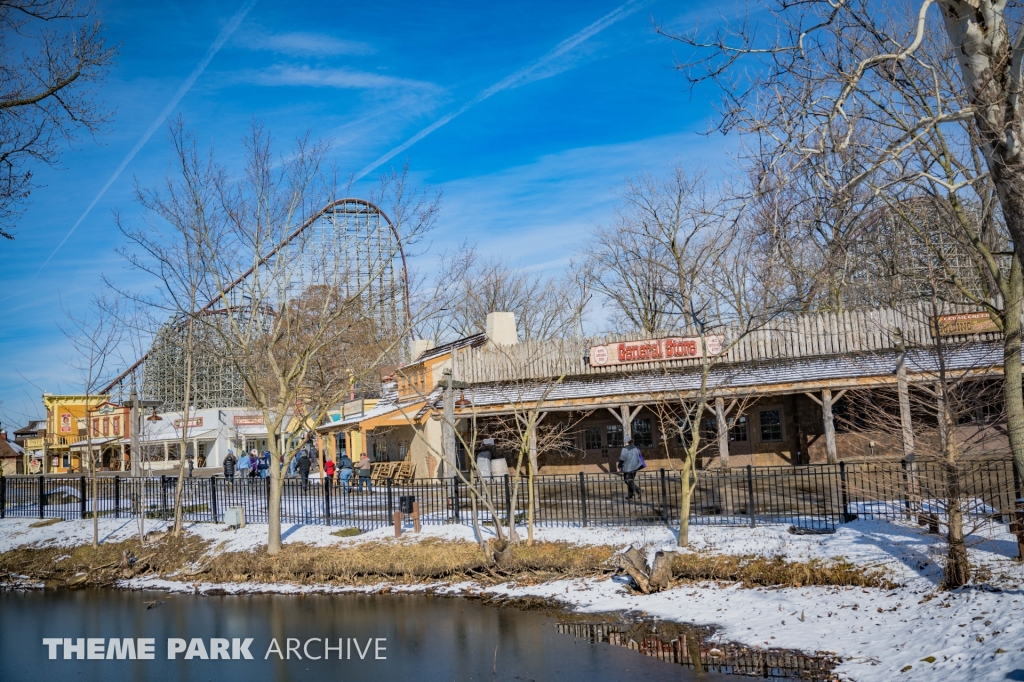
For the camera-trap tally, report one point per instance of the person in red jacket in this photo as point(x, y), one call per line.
point(329, 469)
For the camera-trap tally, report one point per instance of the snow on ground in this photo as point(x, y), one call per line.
point(975, 633)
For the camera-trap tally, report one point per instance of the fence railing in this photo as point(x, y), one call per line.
point(813, 498)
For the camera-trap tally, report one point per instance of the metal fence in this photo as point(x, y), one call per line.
point(811, 498)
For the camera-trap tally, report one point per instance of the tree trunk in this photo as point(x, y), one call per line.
point(92, 469)
point(957, 570)
point(529, 481)
point(179, 489)
point(1012, 359)
point(686, 492)
point(274, 504)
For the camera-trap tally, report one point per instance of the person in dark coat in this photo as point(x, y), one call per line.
point(303, 468)
point(345, 467)
point(630, 462)
point(229, 466)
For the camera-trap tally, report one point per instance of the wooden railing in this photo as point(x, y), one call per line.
point(859, 331)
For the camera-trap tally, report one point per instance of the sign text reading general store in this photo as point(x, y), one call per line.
point(654, 350)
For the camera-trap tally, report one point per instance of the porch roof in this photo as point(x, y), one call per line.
point(782, 376)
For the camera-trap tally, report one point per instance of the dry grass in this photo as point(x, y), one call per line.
point(775, 571)
point(347, 533)
point(427, 561)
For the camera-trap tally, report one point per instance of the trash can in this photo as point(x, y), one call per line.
point(405, 503)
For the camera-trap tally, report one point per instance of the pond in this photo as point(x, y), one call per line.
point(118, 635)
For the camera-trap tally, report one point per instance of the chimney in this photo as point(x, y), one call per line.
point(501, 329)
point(419, 346)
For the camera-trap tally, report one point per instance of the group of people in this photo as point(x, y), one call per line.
point(249, 465)
point(252, 465)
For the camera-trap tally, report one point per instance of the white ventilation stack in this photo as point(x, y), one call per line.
point(418, 347)
point(501, 329)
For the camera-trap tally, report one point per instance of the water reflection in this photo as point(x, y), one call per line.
point(684, 645)
point(426, 639)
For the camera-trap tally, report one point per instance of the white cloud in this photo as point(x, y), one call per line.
point(342, 78)
point(305, 43)
point(538, 214)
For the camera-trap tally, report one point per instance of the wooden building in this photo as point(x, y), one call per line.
point(777, 395)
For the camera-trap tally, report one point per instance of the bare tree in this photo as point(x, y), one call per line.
point(467, 287)
point(182, 219)
point(926, 99)
point(956, 414)
point(284, 298)
point(95, 335)
point(53, 58)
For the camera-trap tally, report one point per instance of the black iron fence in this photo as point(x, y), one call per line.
point(812, 498)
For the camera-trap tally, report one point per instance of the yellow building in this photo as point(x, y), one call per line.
point(405, 424)
point(66, 424)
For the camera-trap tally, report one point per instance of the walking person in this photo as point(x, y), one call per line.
point(365, 467)
point(229, 466)
point(264, 466)
point(303, 468)
point(329, 469)
point(244, 464)
point(344, 472)
point(483, 458)
point(293, 465)
point(630, 462)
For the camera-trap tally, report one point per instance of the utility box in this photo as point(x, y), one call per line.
point(405, 503)
point(234, 517)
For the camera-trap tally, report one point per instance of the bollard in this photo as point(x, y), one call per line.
point(416, 517)
point(398, 524)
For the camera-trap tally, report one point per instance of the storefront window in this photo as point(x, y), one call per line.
point(592, 438)
point(709, 429)
point(642, 436)
point(614, 433)
point(738, 432)
point(771, 425)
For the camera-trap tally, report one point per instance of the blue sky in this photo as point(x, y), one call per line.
point(559, 103)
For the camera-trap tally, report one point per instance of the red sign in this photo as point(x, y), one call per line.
point(654, 350)
point(249, 420)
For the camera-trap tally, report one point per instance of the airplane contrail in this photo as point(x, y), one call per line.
point(222, 38)
point(515, 79)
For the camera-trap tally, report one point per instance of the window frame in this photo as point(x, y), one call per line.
point(648, 436)
point(781, 424)
point(609, 429)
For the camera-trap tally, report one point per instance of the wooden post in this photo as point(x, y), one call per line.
point(627, 423)
point(907, 427)
point(723, 432)
point(904, 396)
point(416, 516)
point(398, 524)
point(448, 429)
point(830, 427)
